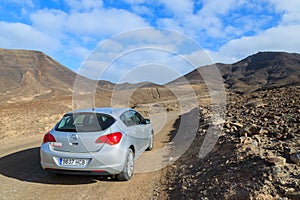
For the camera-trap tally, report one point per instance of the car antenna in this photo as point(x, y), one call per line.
point(93, 104)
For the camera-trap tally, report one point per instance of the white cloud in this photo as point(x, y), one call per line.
point(77, 51)
point(199, 58)
point(93, 69)
point(112, 46)
point(135, 1)
point(233, 29)
point(130, 50)
point(137, 60)
point(291, 10)
point(180, 7)
point(101, 22)
point(218, 57)
point(216, 19)
point(281, 38)
point(84, 5)
point(219, 7)
point(81, 31)
point(142, 10)
point(18, 35)
point(150, 72)
point(147, 35)
point(52, 22)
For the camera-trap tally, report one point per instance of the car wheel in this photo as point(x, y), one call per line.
point(127, 172)
point(150, 147)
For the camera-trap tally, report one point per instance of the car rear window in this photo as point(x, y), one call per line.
point(84, 122)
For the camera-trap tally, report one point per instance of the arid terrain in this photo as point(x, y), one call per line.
point(23, 178)
point(257, 155)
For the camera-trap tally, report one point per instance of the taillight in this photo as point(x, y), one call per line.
point(111, 139)
point(48, 137)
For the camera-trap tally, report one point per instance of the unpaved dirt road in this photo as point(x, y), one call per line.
point(21, 176)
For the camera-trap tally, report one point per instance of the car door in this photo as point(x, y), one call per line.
point(132, 131)
point(142, 129)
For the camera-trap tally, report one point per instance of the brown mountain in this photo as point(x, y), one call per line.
point(26, 75)
point(263, 70)
point(20, 68)
point(259, 71)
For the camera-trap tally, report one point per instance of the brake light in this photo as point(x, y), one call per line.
point(111, 139)
point(48, 137)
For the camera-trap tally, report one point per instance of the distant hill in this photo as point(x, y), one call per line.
point(26, 75)
point(128, 86)
point(29, 74)
point(259, 71)
point(21, 68)
point(263, 70)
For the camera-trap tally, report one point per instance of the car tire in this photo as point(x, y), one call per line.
point(127, 172)
point(150, 147)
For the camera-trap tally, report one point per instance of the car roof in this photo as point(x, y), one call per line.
point(116, 112)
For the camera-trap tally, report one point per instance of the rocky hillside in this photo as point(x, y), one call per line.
point(259, 71)
point(29, 75)
point(26, 75)
point(263, 70)
point(257, 155)
point(20, 68)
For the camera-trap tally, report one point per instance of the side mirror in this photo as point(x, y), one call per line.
point(147, 121)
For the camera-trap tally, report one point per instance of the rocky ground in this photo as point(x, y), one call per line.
point(257, 155)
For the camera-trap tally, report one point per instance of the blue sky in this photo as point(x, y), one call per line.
point(71, 30)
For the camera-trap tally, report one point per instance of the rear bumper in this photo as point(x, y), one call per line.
point(76, 172)
point(110, 160)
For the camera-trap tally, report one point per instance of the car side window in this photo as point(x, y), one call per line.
point(105, 121)
point(127, 118)
point(138, 119)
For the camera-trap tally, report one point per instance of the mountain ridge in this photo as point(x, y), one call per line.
point(263, 70)
point(28, 74)
point(255, 72)
point(21, 67)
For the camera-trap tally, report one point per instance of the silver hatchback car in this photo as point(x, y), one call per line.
point(97, 141)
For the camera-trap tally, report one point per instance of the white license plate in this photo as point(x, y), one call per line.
point(72, 162)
